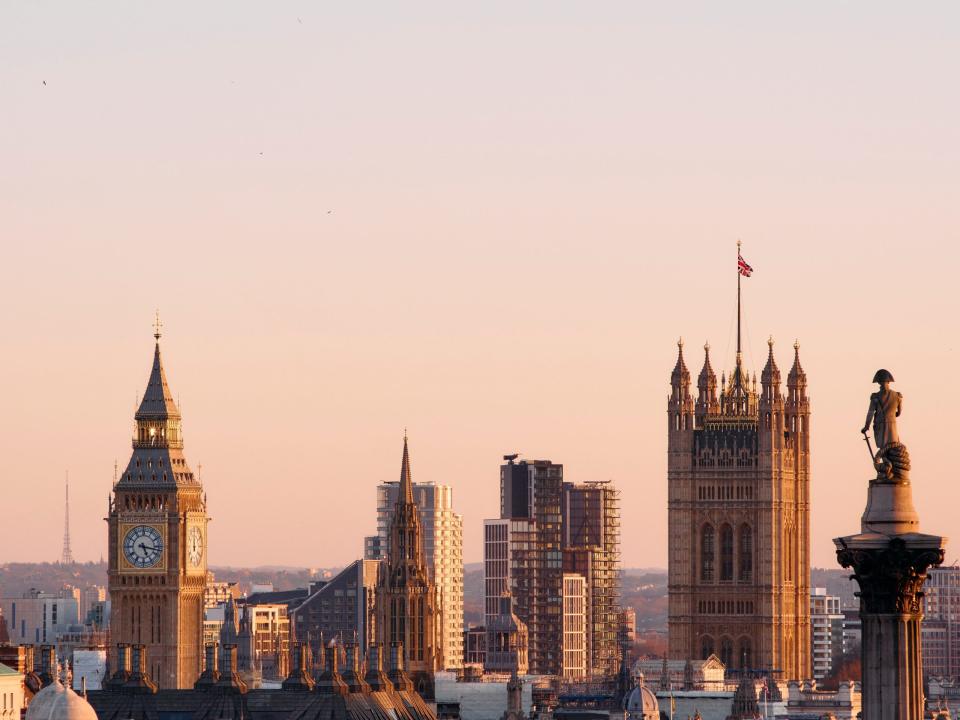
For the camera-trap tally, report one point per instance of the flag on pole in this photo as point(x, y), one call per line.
point(742, 266)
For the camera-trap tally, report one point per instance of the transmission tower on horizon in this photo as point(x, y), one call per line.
point(66, 557)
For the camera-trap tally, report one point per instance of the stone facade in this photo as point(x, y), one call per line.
point(739, 528)
point(406, 598)
point(157, 543)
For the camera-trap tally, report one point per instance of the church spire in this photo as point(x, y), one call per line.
point(406, 479)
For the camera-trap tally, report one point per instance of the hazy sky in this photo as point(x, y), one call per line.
point(488, 223)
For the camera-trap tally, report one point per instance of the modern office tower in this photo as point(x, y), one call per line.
point(826, 631)
point(523, 556)
point(940, 632)
point(591, 548)
point(576, 611)
point(406, 598)
point(342, 608)
point(738, 521)
point(443, 550)
point(157, 543)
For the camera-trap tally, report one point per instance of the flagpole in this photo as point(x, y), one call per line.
point(738, 301)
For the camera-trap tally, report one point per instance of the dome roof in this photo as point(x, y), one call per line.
point(642, 703)
point(56, 702)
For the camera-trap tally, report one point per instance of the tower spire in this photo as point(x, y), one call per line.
point(406, 479)
point(66, 557)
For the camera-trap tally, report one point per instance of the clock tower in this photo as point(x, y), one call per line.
point(157, 540)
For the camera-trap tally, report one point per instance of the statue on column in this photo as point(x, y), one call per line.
point(891, 460)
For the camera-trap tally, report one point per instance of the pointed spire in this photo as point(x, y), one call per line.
point(406, 478)
point(157, 403)
point(797, 374)
point(707, 385)
point(706, 373)
point(680, 372)
point(771, 373)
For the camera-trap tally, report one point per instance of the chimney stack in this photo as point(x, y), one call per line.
point(375, 677)
point(397, 675)
point(139, 681)
point(299, 678)
point(330, 682)
point(211, 672)
point(229, 679)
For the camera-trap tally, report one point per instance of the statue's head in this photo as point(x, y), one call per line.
point(882, 376)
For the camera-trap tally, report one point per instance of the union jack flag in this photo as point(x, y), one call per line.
point(742, 266)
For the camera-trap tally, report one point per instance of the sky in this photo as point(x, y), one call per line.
point(487, 223)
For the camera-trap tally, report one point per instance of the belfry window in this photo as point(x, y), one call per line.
point(706, 553)
point(746, 554)
point(726, 553)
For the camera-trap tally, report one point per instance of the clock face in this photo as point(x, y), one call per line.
point(195, 546)
point(143, 546)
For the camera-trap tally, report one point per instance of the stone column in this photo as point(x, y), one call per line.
point(890, 559)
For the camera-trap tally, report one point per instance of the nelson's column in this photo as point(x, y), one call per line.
point(890, 558)
point(738, 483)
point(157, 543)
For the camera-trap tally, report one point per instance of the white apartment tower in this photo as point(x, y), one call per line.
point(826, 631)
point(443, 552)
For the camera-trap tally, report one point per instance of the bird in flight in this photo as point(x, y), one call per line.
point(44, 82)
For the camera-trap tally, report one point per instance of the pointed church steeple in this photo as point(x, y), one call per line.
point(406, 478)
point(405, 594)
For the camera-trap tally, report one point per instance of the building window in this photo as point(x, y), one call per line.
point(706, 646)
point(746, 553)
point(726, 553)
point(706, 553)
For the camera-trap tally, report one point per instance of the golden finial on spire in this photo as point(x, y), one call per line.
point(706, 346)
point(680, 343)
point(770, 342)
point(796, 345)
point(157, 325)
point(738, 243)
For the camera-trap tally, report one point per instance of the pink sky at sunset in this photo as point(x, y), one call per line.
point(487, 224)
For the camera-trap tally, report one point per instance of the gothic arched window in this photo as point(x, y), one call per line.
point(726, 651)
point(706, 553)
point(746, 553)
point(726, 553)
point(706, 646)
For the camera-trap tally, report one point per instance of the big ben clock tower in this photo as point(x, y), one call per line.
point(158, 543)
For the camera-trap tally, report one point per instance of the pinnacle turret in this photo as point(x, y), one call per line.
point(707, 386)
point(797, 375)
point(680, 374)
point(771, 373)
